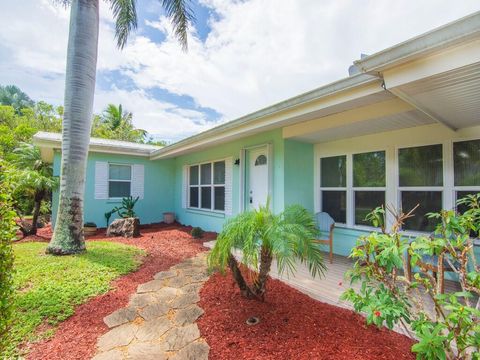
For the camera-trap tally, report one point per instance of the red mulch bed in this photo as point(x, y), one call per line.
point(293, 326)
point(76, 337)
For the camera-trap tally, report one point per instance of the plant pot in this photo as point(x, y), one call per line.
point(89, 230)
point(168, 217)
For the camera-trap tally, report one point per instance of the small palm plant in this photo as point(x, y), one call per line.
point(262, 236)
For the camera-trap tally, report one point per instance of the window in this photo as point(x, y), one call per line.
point(333, 182)
point(368, 184)
point(119, 180)
point(421, 182)
point(207, 186)
point(261, 160)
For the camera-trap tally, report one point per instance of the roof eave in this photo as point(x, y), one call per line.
point(449, 35)
point(302, 99)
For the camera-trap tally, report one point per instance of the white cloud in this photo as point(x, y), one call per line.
point(263, 51)
point(258, 52)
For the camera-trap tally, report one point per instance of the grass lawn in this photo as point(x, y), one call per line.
point(49, 287)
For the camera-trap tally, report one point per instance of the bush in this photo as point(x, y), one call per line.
point(390, 295)
point(8, 229)
point(197, 232)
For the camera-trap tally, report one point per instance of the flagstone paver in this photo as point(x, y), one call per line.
point(159, 321)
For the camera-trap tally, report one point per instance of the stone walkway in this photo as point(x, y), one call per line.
point(159, 321)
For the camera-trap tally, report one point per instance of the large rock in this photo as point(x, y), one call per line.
point(129, 227)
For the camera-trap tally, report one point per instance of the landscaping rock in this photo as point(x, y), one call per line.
point(188, 315)
point(194, 351)
point(129, 227)
point(119, 336)
point(120, 317)
point(177, 338)
point(141, 300)
point(153, 311)
point(150, 286)
point(153, 329)
point(109, 355)
point(165, 275)
point(146, 351)
point(185, 300)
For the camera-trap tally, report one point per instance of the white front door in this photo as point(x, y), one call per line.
point(257, 193)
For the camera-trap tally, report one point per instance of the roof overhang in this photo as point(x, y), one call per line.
point(50, 142)
point(450, 35)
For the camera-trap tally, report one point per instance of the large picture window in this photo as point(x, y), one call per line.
point(421, 182)
point(368, 184)
point(466, 165)
point(119, 180)
point(333, 182)
point(207, 186)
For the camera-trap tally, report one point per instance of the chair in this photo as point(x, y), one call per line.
point(326, 224)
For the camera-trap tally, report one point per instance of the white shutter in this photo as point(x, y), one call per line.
point(228, 186)
point(138, 179)
point(101, 180)
point(185, 187)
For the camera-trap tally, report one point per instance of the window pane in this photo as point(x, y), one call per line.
point(365, 202)
point(421, 166)
point(335, 203)
point(219, 172)
point(369, 169)
point(120, 172)
point(333, 171)
point(118, 189)
point(219, 198)
point(466, 159)
point(462, 207)
point(430, 201)
point(206, 198)
point(194, 197)
point(261, 160)
point(194, 175)
point(206, 174)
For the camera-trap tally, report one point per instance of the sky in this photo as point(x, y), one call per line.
point(242, 56)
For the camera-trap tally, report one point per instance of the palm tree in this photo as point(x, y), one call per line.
point(13, 96)
point(79, 91)
point(262, 236)
point(115, 123)
point(33, 177)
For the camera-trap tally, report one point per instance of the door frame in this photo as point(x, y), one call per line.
point(244, 181)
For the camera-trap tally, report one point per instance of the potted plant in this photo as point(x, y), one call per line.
point(89, 228)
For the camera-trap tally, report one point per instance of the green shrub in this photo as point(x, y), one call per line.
point(197, 233)
point(388, 295)
point(8, 231)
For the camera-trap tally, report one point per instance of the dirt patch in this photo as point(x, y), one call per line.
point(76, 337)
point(292, 326)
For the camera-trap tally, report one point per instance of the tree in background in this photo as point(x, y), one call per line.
point(79, 92)
point(33, 179)
point(116, 123)
point(13, 96)
point(7, 235)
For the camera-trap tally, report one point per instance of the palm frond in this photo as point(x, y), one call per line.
point(125, 15)
point(180, 14)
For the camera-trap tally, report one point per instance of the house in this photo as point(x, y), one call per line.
point(403, 129)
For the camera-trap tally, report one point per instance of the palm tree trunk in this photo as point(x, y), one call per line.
point(39, 195)
point(237, 275)
point(79, 91)
point(265, 265)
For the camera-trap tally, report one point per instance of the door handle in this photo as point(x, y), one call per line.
point(251, 200)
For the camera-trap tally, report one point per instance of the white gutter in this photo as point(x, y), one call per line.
point(448, 35)
point(53, 141)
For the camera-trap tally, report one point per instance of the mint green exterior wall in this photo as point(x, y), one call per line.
point(213, 221)
point(298, 174)
point(158, 189)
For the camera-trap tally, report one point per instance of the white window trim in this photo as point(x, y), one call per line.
point(130, 181)
point(350, 189)
point(392, 188)
point(211, 185)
